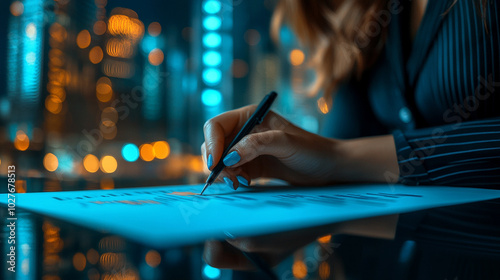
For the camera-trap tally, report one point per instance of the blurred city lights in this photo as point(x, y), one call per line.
point(130, 152)
point(299, 269)
point(92, 256)
point(53, 104)
point(211, 272)
point(211, 97)
point(296, 57)
point(156, 57)
point(21, 142)
point(154, 29)
point(119, 48)
point(212, 7)
point(122, 25)
point(96, 55)
point(50, 162)
point(108, 164)
point(324, 270)
point(147, 152)
point(212, 58)
point(212, 76)
point(212, 40)
point(104, 92)
point(83, 39)
point(152, 258)
point(91, 163)
point(31, 31)
point(79, 261)
point(212, 23)
point(16, 8)
point(325, 239)
point(161, 149)
point(99, 27)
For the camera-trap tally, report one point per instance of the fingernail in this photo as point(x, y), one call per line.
point(232, 158)
point(242, 180)
point(210, 161)
point(229, 182)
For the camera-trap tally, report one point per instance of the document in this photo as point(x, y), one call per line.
point(163, 217)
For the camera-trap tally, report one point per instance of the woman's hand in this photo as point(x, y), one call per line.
point(275, 148)
point(278, 149)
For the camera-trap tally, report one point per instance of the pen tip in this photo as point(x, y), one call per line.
point(204, 188)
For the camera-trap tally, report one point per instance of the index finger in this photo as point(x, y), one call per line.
point(218, 128)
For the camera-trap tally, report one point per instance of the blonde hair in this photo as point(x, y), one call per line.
point(343, 37)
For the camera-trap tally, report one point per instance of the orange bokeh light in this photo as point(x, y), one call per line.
point(147, 152)
point(83, 39)
point(91, 163)
point(161, 149)
point(108, 164)
point(96, 55)
point(156, 57)
point(21, 142)
point(297, 57)
point(154, 29)
point(99, 27)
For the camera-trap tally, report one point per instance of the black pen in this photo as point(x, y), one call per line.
point(256, 118)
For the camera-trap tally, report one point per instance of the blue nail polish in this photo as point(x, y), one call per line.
point(210, 161)
point(229, 182)
point(242, 180)
point(232, 158)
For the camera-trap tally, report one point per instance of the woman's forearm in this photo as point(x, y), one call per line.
point(369, 159)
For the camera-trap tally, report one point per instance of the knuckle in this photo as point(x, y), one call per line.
point(208, 124)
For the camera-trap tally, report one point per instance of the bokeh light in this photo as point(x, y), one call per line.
point(212, 58)
point(79, 261)
point(92, 256)
point(53, 104)
point(211, 97)
point(99, 27)
point(16, 8)
point(299, 269)
point(50, 162)
point(212, 23)
point(83, 39)
point(31, 31)
point(152, 258)
point(21, 142)
point(324, 270)
point(212, 7)
point(156, 57)
point(91, 163)
point(147, 152)
point(212, 76)
point(211, 272)
point(212, 40)
point(161, 149)
point(154, 29)
point(104, 92)
point(130, 152)
point(96, 55)
point(297, 57)
point(108, 164)
point(325, 239)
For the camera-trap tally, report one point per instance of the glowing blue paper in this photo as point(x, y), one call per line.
point(161, 218)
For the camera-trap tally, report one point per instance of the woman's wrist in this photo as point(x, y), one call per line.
point(369, 159)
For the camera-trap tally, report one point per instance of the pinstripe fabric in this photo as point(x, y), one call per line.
point(454, 95)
